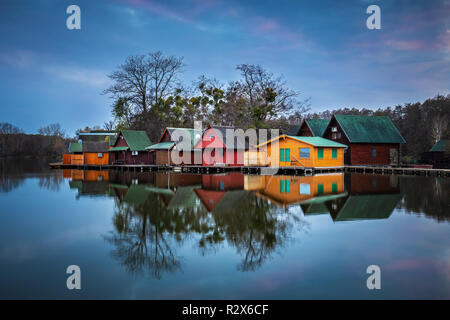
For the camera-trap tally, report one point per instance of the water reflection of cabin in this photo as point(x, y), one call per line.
point(371, 197)
point(130, 148)
point(170, 140)
point(221, 190)
point(288, 190)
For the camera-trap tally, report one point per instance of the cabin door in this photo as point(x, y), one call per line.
point(393, 154)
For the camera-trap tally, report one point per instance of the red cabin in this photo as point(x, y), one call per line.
point(371, 140)
point(129, 148)
point(214, 148)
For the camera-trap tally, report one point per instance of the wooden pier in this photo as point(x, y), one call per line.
point(260, 170)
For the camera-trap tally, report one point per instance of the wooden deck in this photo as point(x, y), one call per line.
point(259, 170)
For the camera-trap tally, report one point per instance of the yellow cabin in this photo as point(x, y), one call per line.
point(308, 152)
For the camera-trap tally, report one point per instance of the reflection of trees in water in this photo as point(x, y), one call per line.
point(256, 228)
point(427, 195)
point(51, 182)
point(8, 184)
point(14, 171)
point(145, 234)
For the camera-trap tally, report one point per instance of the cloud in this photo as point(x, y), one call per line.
point(91, 77)
point(23, 59)
point(17, 58)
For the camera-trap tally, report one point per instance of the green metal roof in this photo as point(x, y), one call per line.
point(368, 207)
point(161, 145)
point(75, 147)
point(441, 145)
point(369, 129)
point(320, 142)
point(317, 125)
point(137, 140)
point(119, 149)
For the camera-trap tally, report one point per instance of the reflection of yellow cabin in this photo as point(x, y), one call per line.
point(310, 152)
point(287, 190)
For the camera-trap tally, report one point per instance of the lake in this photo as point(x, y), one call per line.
point(231, 236)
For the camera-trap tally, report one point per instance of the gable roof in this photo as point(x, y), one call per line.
point(316, 125)
point(137, 140)
point(369, 129)
point(196, 135)
point(441, 145)
point(94, 146)
point(314, 141)
point(222, 130)
point(74, 147)
point(161, 146)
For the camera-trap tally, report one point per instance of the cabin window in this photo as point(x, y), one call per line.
point(305, 188)
point(285, 155)
point(285, 186)
point(100, 155)
point(334, 153)
point(373, 153)
point(334, 187)
point(304, 153)
point(320, 153)
point(320, 188)
point(134, 153)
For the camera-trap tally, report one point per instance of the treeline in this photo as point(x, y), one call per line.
point(421, 124)
point(49, 142)
point(148, 95)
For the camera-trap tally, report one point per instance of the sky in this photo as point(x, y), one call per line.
point(50, 74)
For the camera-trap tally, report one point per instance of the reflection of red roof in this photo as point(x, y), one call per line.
point(231, 181)
point(209, 198)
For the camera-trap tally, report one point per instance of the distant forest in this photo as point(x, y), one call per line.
point(49, 142)
point(147, 94)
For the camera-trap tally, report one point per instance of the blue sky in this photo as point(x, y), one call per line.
point(323, 48)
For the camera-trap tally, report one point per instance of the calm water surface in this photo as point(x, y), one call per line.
point(173, 236)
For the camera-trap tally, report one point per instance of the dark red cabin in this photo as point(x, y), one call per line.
point(371, 140)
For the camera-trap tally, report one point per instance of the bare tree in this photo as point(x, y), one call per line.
point(8, 128)
point(144, 80)
point(438, 127)
point(53, 129)
point(266, 96)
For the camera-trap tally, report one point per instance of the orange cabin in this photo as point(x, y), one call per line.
point(310, 152)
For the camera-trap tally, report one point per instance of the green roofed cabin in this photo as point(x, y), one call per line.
point(438, 156)
point(371, 140)
point(182, 140)
point(130, 148)
point(312, 127)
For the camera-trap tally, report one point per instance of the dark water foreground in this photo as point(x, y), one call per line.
point(165, 236)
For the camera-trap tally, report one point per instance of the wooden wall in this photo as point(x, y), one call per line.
point(360, 153)
point(93, 158)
